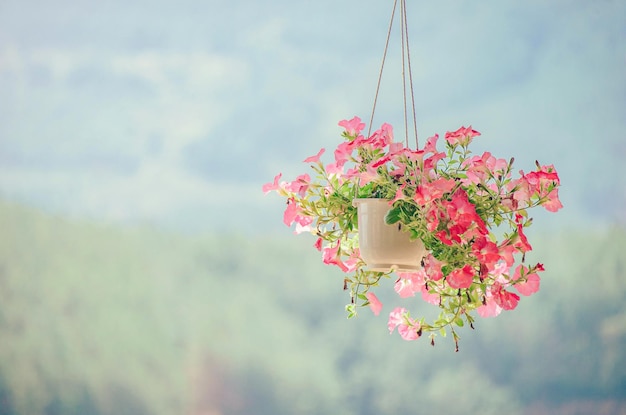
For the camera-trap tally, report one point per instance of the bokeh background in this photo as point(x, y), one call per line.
point(142, 270)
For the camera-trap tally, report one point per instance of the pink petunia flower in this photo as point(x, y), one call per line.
point(505, 299)
point(375, 305)
point(490, 308)
point(315, 158)
point(486, 252)
point(431, 144)
point(530, 286)
point(382, 137)
point(290, 212)
point(431, 298)
point(299, 185)
point(433, 268)
point(353, 127)
point(527, 284)
point(461, 136)
point(522, 242)
point(334, 169)
point(409, 283)
point(330, 256)
point(506, 251)
point(343, 152)
point(408, 328)
point(268, 187)
point(553, 203)
point(318, 244)
point(461, 277)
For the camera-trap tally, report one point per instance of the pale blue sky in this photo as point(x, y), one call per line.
point(177, 112)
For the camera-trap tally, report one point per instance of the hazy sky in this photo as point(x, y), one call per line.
point(178, 112)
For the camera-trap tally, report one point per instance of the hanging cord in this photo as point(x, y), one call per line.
point(406, 59)
point(403, 51)
point(382, 66)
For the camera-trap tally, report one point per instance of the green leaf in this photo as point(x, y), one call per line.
point(459, 322)
point(351, 309)
point(392, 216)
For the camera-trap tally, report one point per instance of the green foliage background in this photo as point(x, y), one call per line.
point(100, 320)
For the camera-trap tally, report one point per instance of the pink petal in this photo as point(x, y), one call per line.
point(530, 286)
point(408, 332)
point(315, 158)
point(461, 277)
point(318, 244)
point(395, 318)
point(375, 305)
point(489, 309)
point(268, 187)
point(290, 212)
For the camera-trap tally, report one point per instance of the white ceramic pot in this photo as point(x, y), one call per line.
point(385, 247)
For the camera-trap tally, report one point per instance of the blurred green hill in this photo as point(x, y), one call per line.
point(99, 320)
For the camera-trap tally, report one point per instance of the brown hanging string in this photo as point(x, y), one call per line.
point(382, 66)
point(403, 57)
point(406, 60)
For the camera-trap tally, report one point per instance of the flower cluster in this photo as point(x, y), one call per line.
point(470, 212)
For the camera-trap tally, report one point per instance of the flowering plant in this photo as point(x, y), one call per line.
point(469, 211)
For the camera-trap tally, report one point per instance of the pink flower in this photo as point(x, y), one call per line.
point(410, 331)
point(431, 298)
point(553, 203)
point(505, 299)
point(299, 185)
point(431, 162)
point(381, 137)
point(353, 127)
point(303, 224)
point(399, 194)
point(486, 252)
point(318, 244)
point(408, 328)
point(315, 158)
point(465, 212)
point(377, 163)
point(290, 212)
point(429, 191)
point(527, 284)
point(409, 283)
point(522, 242)
point(522, 190)
point(375, 305)
point(480, 169)
point(461, 277)
point(331, 257)
point(530, 286)
point(542, 183)
point(343, 152)
point(506, 251)
point(489, 308)
point(352, 262)
point(334, 169)
point(268, 187)
point(431, 144)
point(432, 268)
point(461, 136)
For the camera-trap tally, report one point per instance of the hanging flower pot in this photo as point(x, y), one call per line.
point(385, 247)
point(463, 216)
point(450, 224)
